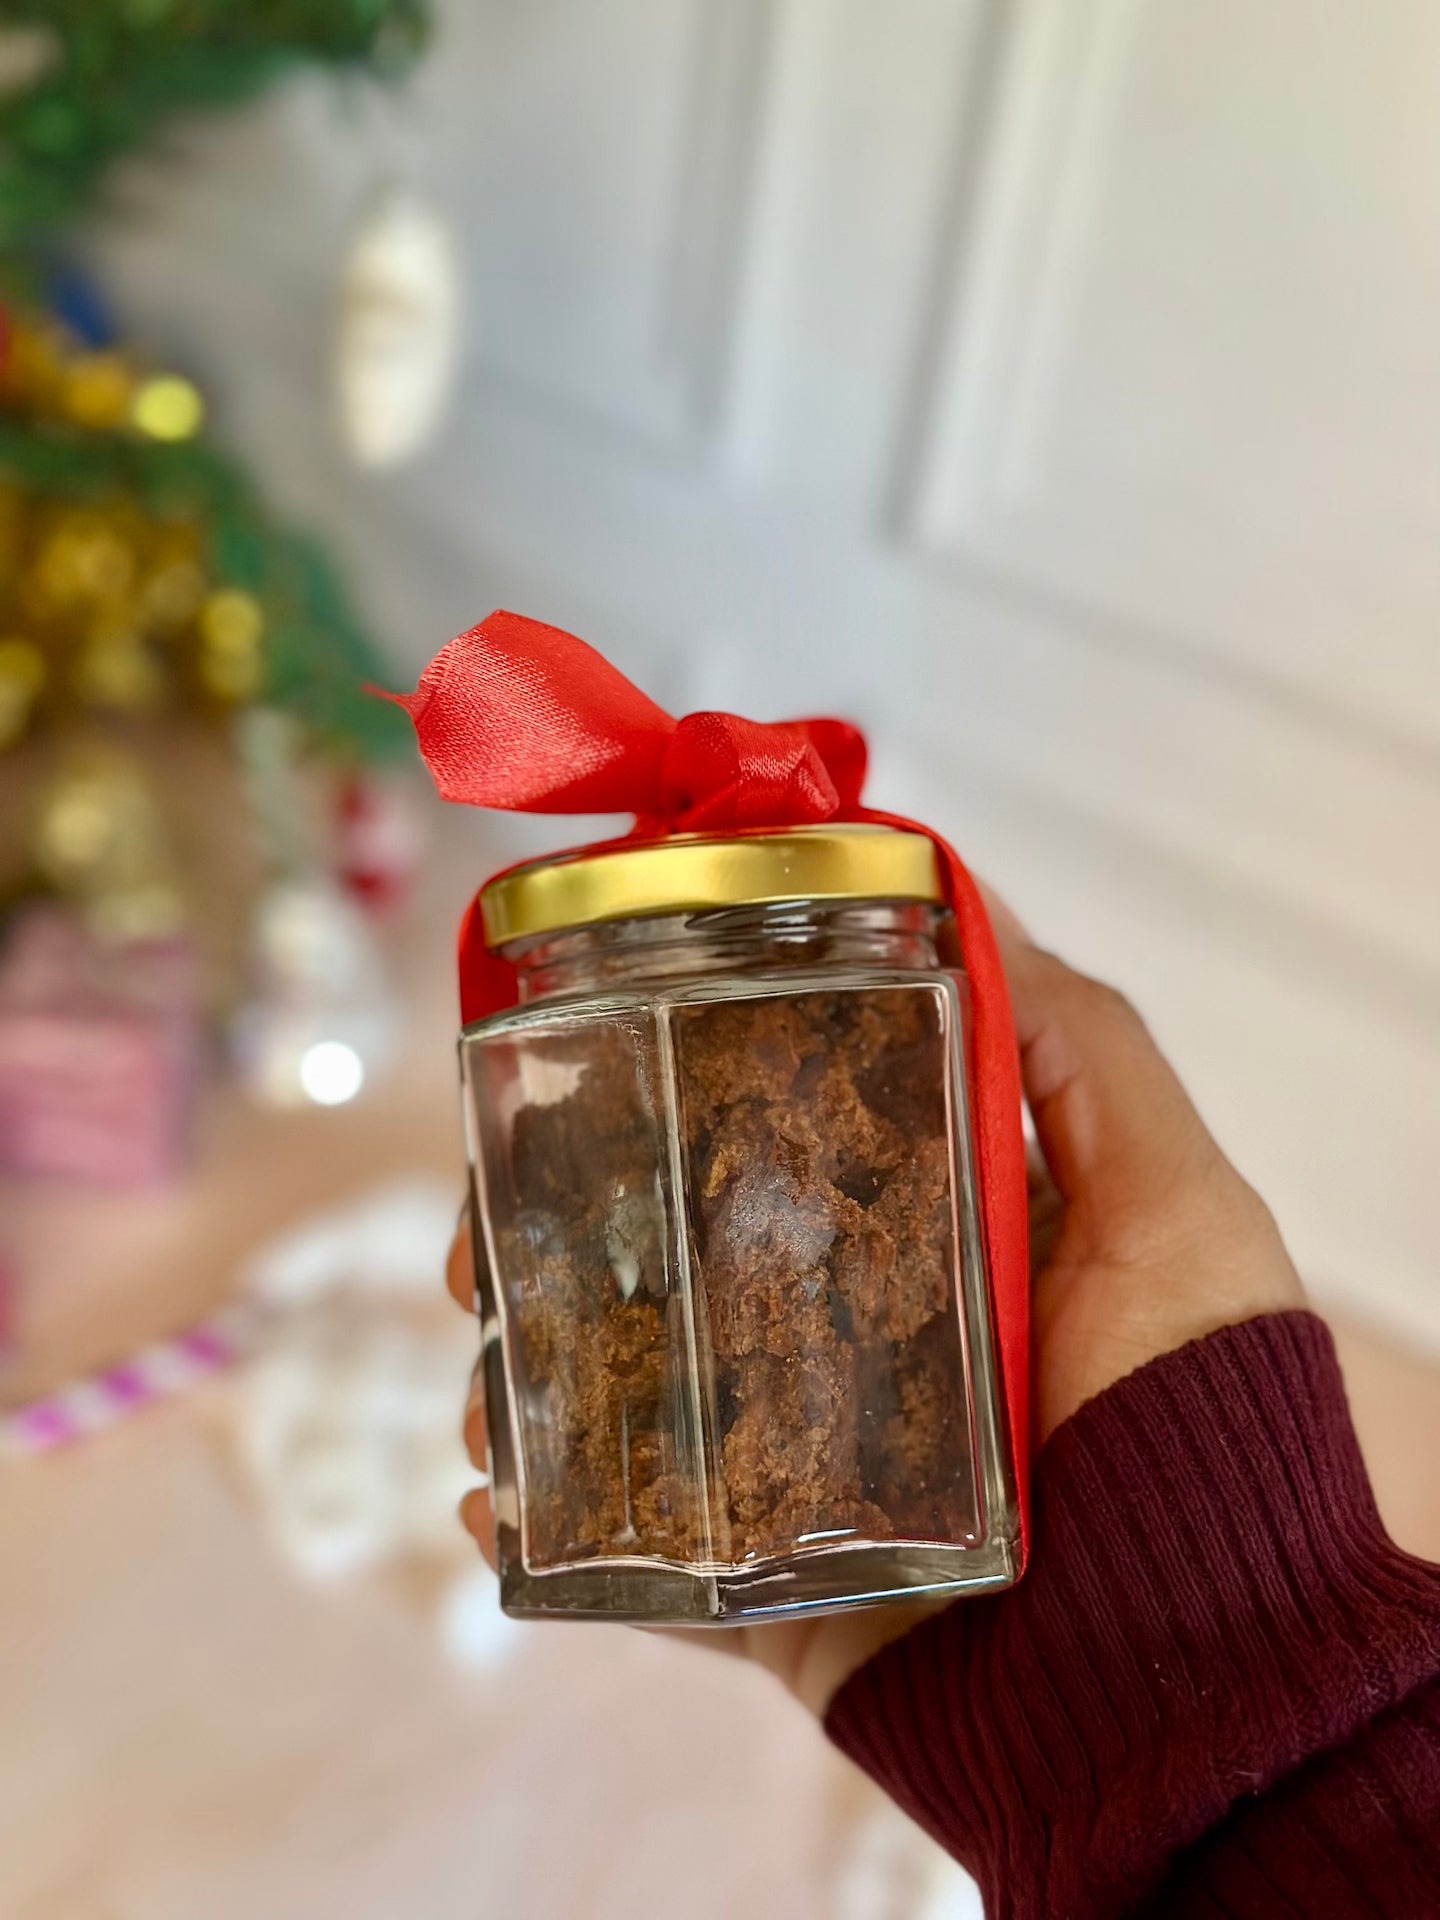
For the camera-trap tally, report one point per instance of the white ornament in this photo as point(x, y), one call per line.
point(399, 331)
point(28, 55)
point(323, 1021)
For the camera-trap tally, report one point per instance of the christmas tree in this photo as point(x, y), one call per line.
point(185, 734)
point(140, 573)
point(92, 80)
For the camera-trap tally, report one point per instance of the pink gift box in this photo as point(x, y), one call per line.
point(99, 1050)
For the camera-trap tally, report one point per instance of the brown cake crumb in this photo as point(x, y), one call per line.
point(821, 1210)
point(817, 1189)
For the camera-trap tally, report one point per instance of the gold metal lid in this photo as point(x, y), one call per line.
point(695, 873)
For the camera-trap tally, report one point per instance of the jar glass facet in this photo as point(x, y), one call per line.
point(738, 1349)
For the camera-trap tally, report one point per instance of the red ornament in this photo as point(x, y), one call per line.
point(378, 841)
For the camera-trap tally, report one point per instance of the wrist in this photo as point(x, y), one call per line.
point(1212, 1599)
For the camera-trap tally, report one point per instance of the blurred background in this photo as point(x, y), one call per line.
point(1050, 385)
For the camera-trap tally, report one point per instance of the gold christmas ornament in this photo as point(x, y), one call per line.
point(12, 528)
point(46, 374)
point(22, 676)
point(34, 369)
point(171, 594)
point(105, 564)
point(115, 671)
point(85, 560)
point(96, 391)
point(232, 661)
point(99, 840)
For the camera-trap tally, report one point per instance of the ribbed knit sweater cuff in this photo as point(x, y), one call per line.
point(1212, 1600)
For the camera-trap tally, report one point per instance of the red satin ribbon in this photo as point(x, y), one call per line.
point(529, 719)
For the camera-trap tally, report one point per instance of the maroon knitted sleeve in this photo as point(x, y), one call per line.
point(1216, 1692)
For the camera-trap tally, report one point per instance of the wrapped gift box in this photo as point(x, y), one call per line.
point(99, 1054)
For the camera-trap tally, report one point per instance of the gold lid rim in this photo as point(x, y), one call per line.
point(698, 873)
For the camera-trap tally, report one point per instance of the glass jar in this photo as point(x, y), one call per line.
point(736, 1324)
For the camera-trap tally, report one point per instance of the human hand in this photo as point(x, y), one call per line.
point(1144, 1237)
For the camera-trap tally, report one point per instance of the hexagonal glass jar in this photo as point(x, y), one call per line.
point(738, 1350)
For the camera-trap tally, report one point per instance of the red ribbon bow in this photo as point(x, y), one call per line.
point(518, 715)
point(523, 717)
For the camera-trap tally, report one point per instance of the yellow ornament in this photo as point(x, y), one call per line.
point(22, 675)
point(116, 671)
point(99, 839)
point(85, 559)
point(171, 594)
point(96, 391)
point(168, 408)
point(12, 527)
point(151, 909)
point(106, 563)
point(53, 582)
point(232, 658)
point(34, 365)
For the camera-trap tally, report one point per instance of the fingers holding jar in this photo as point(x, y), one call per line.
point(1157, 1240)
point(478, 1519)
point(460, 1265)
point(476, 1512)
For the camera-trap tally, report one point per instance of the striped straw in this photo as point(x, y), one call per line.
point(155, 1373)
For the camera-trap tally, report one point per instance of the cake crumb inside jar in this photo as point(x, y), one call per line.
point(819, 1175)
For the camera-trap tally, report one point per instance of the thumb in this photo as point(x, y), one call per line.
point(1161, 1240)
point(1121, 1136)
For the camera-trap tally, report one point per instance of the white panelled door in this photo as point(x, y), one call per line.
point(1055, 386)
